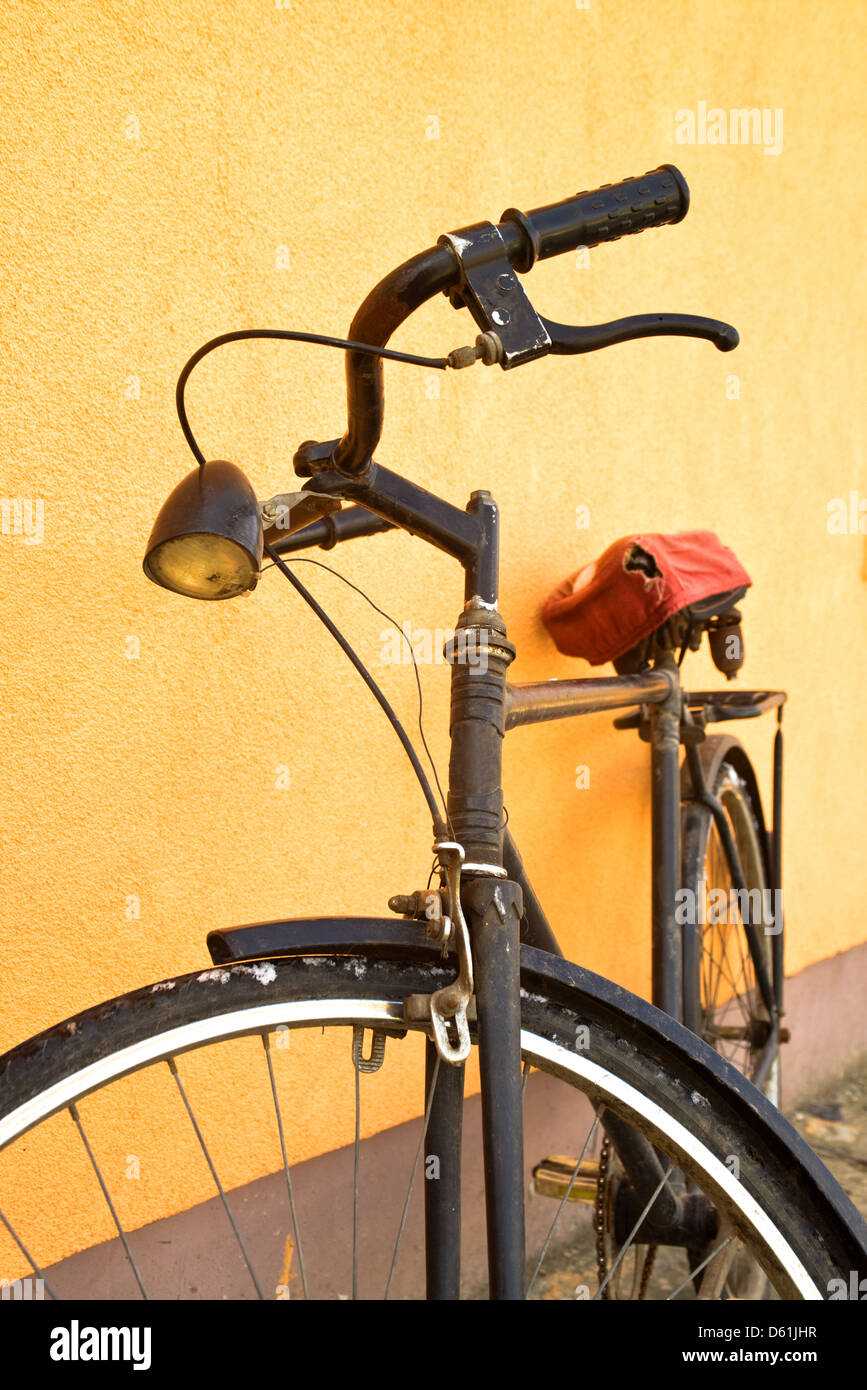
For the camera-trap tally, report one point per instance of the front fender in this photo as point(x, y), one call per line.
point(380, 936)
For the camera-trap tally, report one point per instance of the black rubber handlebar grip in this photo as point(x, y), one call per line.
point(604, 214)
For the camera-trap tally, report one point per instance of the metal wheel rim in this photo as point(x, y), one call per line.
point(553, 1057)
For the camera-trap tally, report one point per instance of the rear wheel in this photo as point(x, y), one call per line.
point(583, 1036)
point(719, 971)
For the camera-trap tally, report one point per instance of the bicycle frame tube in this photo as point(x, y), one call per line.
point(667, 940)
point(658, 689)
point(564, 699)
point(493, 903)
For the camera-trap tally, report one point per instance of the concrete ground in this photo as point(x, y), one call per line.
point(833, 1120)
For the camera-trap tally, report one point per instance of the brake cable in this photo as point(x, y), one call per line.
point(440, 824)
point(461, 357)
point(290, 335)
point(308, 560)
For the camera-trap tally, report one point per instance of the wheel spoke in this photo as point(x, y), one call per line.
point(629, 1239)
point(413, 1174)
point(73, 1110)
point(27, 1255)
point(730, 980)
point(745, 959)
point(712, 931)
point(563, 1200)
point(698, 1269)
point(289, 1187)
point(734, 998)
point(219, 1186)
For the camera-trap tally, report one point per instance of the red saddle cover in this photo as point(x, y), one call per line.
point(605, 608)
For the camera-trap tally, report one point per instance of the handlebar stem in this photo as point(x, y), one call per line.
point(387, 306)
point(383, 311)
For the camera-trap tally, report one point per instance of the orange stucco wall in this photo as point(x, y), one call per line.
point(175, 170)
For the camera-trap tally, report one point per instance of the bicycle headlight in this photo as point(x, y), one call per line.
point(207, 539)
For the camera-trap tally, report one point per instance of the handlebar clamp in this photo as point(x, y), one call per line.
point(490, 289)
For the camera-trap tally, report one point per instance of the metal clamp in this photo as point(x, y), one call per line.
point(451, 1003)
point(289, 511)
point(377, 1049)
point(494, 295)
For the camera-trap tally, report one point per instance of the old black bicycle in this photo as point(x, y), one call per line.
point(672, 1157)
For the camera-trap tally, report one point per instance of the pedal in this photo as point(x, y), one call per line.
point(553, 1176)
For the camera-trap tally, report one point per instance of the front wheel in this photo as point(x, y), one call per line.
point(170, 1074)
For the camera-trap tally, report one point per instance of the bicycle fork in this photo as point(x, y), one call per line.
point(480, 655)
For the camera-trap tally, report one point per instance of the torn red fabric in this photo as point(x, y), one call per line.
point(604, 609)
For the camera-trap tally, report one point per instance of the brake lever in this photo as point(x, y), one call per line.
point(567, 339)
point(514, 332)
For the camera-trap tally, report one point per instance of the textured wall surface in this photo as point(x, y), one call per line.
point(172, 171)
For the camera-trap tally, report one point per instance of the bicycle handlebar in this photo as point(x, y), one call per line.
point(604, 214)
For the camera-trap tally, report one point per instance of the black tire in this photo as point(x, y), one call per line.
point(618, 1050)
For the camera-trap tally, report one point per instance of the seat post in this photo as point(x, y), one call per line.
point(667, 947)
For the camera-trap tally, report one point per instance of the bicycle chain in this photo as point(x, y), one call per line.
point(599, 1215)
point(599, 1223)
